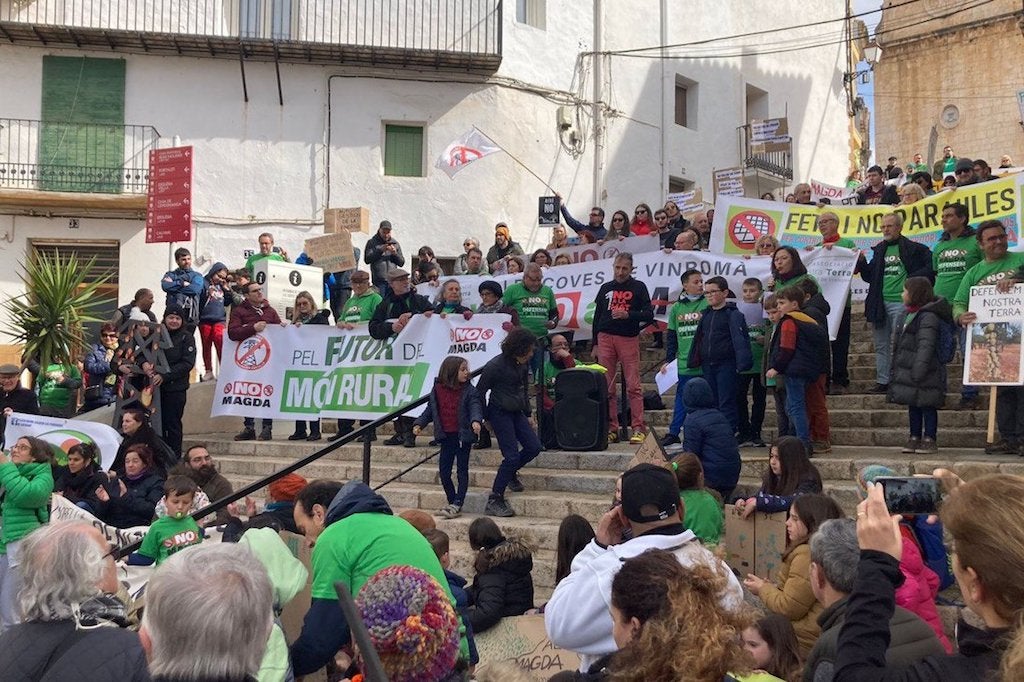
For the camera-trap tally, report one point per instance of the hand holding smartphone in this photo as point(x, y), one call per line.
point(911, 495)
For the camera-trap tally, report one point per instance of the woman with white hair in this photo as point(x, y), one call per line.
point(461, 266)
point(73, 627)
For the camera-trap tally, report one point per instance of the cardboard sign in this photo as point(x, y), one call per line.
point(995, 354)
point(523, 642)
point(347, 220)
point(332, 252)
point(548, 211)
point(728, 182)
point(754, 545)
point(770, 135)
point(282, 282)
point(649, 452)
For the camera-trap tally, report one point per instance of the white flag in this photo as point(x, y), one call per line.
point(464, 151)
point(62, 433)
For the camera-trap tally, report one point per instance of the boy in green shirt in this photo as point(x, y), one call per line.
point(174, 532)
point(683, 318)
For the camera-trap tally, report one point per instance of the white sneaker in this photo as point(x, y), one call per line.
point(208, 377)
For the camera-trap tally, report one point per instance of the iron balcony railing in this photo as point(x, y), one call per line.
point(438, 27)
point(777, 163)
point(75, 157)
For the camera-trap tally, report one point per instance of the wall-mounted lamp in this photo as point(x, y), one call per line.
point(872, 53)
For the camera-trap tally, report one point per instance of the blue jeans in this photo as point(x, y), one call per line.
point(928, 417)
point(796, 408)
point(885, 336)
point(966, 391)
point(723, 379)
point(511, 429)
point(454, 452)
point(679, 411)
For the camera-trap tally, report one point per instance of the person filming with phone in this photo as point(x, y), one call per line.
point(985, 518)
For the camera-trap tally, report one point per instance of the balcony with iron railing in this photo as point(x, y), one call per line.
point(775, 163)
point(462, 35)
point(75, 157)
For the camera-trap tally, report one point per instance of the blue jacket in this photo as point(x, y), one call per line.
point(96, 371)
point(721, 339)
point(599, 232)
point(457, 584)
point(215, 298)
point(471, 409)
point(707, 434)
point(184, 288)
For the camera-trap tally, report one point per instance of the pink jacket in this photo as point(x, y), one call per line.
point(919, 588)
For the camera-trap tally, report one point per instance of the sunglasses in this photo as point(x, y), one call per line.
point(618, 219)
point(964, 171)
point(641, 210)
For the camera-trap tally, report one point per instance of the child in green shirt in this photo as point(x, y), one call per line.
point(174, 532)
point(702, 510)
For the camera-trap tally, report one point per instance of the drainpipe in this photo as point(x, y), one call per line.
point(598, 107)
point(663, 40)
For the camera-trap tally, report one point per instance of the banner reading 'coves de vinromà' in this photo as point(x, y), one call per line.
point(318, 371)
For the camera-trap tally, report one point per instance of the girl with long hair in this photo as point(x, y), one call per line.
point(772, 643)
point(790, 474)
point(502, 582)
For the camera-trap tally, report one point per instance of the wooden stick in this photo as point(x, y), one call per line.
point(991, 434)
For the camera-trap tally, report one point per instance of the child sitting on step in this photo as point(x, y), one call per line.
point(790, 474)
point(702, 510)
point(457, 412)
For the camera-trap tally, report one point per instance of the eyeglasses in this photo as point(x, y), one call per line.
point(109, 336)
point(468, 244)
point(303, 302)
point(962, 171)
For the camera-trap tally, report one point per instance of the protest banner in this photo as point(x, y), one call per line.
point(994, 348)
point(523, 642)
point(576, 286)
point(687, 201)
point(347, 220)
point(319, 371)
point(834, 193)
point(740, 221)
point(62, 434)
point(588, 252)
point(728, 182)
point(63, 510)
point(332, 252)
point(283, 281)
point(770, 135)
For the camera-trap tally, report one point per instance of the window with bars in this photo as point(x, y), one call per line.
point(403, 150)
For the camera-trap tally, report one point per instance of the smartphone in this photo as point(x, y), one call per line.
point(277, 249)
point(911, 494)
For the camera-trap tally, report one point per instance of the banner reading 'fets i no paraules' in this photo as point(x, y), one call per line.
point(739, 221)
point(321, 371)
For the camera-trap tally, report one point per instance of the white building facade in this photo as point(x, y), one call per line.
point(294, 106)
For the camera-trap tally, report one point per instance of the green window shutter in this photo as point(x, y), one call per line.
point(403, 150)
point(81, 137)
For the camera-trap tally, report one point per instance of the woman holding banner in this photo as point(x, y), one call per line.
point(788, 269)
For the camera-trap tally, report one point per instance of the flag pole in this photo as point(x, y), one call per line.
point(516, 159)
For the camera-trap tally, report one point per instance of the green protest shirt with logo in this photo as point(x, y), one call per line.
point(251, 260)
point(360, 308)
point(758, 333)
point(982, 274)
point(683, 319)
point(951, 259)
point(534, 308)
point(168, 535)
point(894, 275)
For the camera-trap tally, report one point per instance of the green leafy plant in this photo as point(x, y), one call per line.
point(49, 317)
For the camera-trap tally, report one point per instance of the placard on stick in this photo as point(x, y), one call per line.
point(332, 252)
point(995, 353)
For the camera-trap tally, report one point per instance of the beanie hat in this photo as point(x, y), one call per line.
point(964, 164)
point(868, 475)
point(175, 309)
point(412, 624)
point(491, 286)
point(287, 488)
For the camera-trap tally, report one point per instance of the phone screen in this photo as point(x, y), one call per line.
point(911, 495)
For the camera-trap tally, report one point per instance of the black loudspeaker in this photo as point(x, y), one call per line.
point(581, 410)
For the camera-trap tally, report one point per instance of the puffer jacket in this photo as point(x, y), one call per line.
point(181, 358)
point(27, 493)
point(792, 597)
point(707, 434)
point(137, 506)
point(918, 378)
point(98, 373)
point(722, 337)
point(504, 587)
point(245, 316)
point(920, 587)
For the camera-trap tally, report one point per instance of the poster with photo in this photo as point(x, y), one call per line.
point(994, 348)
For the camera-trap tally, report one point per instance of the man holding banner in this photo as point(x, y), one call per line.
point(894, 260)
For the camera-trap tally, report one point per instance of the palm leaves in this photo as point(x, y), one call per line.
point(48, 318)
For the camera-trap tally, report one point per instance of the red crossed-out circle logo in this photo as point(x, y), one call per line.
point(253, 353)
point(747, 226)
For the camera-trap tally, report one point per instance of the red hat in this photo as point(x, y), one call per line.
point(286, 488)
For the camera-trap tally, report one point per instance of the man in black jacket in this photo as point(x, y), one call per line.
point(875, 191)
point(384, 256)
point(623, 308)
point(894, 260)
point(391, 317)
point(834, 557)
point(13, 396)
point(173, 383)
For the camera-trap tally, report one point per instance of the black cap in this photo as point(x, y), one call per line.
point(964, 164)
point(892, 158)
point(649, 485)
point(491, 286)
point(175, 309)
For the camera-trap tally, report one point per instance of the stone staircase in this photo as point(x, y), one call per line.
point(866, 430)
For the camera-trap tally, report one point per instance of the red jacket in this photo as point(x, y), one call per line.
point(244, 316)
point(920, 586)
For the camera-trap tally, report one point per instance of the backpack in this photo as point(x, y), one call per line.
point(946, 346)
point(933, 549)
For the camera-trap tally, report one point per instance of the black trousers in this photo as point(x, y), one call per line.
point(841, 352)
point(172, 404)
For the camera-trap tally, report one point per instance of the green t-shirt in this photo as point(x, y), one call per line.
point(985, 273)
point(893, 276)
point(251, 260)
point(683, 318)
point(356, 547)
point(53, 394)
point(703, 515)
point(168, 535)
point(550, 372)
point(534, 308)
point(758, 336)
point(951, 259)
point(360, 308)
